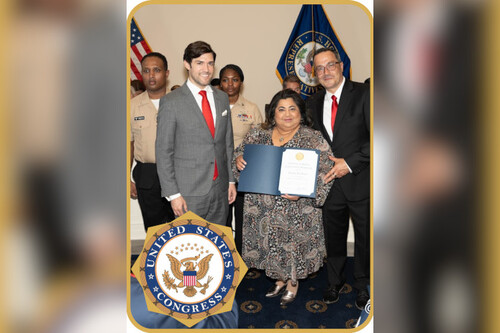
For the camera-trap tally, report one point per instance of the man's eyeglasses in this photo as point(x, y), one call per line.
point(330, 66)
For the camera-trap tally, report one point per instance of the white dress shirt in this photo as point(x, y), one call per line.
point(327, 111)
point(210, 96)
point(327, 108)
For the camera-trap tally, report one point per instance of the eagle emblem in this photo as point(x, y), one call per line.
point(189, 277)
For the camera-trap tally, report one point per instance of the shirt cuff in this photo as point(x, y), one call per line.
point(232, 183)
point(348, 167)
point(173, 196)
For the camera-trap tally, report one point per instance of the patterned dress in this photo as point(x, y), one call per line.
point(284, 237)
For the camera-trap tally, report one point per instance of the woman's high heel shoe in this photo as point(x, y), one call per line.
point(275, 290)
point(288, 297)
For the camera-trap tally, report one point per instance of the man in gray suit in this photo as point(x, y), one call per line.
point(194, 142)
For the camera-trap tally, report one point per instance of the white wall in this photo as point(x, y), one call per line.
point(251, 36)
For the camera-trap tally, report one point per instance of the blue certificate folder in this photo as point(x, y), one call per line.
point(262, 172)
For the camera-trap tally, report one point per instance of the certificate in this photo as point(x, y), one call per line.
point(278, 170)
point(299, 168)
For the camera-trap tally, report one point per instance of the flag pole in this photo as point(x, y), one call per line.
point(313, 37)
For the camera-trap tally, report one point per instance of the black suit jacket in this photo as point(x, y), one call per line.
point(351, 136)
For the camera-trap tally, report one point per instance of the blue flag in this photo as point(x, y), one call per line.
point(311, 32)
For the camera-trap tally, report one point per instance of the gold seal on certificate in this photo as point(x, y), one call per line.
point(299, 156)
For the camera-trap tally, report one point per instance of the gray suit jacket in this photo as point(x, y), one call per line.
point(185, 149)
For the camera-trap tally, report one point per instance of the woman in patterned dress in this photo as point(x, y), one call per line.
point(283, 235)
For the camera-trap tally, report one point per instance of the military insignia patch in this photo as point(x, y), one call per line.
point(189, 269)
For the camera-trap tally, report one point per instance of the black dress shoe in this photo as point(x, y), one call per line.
point(275, 290)
point(332, 294)
point(362, 299)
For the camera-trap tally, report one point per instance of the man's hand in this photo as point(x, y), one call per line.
point(179, 206)
point(133, 190)
point(231, 193)
point(339, 170)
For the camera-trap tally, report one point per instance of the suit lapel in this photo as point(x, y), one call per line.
point(320, 103)
point(218, 112)
point(193, 108)
point(345, 102)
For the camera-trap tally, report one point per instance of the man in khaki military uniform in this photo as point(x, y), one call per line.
point(144, 109)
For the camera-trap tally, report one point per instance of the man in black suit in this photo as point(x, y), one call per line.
point(342, 113)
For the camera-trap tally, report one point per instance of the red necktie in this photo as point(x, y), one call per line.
point(207, 113)
point(335, 106)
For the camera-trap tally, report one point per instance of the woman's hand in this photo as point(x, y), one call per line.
point(240, 163)
point(290, 197)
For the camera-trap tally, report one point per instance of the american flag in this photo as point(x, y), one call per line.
point(138, 48)
point(189, 278)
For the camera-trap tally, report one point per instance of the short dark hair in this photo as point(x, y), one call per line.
point(158, 55)
point(197, 49)
point(235, 68)
point(324, 49)
point(290, 78)
point(215, 82)
point(284, 94)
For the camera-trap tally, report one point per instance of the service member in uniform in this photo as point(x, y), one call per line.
point(144, 109)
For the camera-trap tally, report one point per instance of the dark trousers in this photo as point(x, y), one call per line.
point(155, 209)
point(336, 213)
point(238, 219)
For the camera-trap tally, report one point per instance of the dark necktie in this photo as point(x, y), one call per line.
point(207, 113)
point(335, 106)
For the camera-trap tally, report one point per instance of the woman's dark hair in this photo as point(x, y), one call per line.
point(284, 94)
point(197, 49)
point(235, 68)
point(137, 85)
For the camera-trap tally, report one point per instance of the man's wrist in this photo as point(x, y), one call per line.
point(173, 196)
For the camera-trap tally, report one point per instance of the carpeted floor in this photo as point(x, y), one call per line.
point(307, 311)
